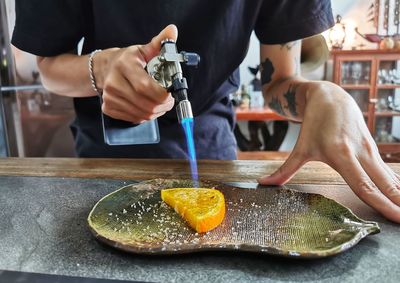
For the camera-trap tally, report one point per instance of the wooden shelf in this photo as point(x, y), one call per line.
point(386, 147)
point(387, 86)
point(387, 113)
point(390, 152)
point(366, 53)
point(387, 144)
point(257, 114)
point(353, 86)
point(373, 58)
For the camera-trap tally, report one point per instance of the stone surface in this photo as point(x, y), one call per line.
point(43, 229)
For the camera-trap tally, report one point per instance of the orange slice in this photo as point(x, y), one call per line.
point(203, 209)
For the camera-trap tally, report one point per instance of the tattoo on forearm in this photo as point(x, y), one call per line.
point(289, 45)
point(275, 104)
point(277, 101)
point(267, 69)
point(290, 96)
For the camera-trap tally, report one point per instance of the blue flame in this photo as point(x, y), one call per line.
point(187, 124)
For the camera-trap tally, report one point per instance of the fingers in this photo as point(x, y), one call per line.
point(129, 93)
point(362, 185)
point(382, 177)
point(131, 68)
point(120, 104)
point(116, 114)
point(121, 101)
point(151, 49)
point(389, 170)
point(286, 171)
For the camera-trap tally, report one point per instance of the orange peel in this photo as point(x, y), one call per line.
point(203, 209)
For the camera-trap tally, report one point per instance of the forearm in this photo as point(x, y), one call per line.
point(285, 91)
point(68, 74)
point(289, 97)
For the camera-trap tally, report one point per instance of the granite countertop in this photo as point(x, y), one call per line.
point(43, 229)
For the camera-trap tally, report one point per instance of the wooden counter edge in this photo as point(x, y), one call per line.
point(143, 169)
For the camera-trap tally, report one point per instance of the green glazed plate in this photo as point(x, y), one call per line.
point(269, 220)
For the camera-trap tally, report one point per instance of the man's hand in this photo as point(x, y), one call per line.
point(129, 93)
point(333, 131)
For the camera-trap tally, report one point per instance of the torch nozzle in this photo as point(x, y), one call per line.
point(179, 92)
point(184, 110)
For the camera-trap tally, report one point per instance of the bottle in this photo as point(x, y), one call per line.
point(245, 97)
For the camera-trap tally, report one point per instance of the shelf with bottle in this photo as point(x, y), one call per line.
point(249, 106)
point(388, 75)
point(248, 97)
point(388, 102)
point(387, 106)
point(356, 73)
point(372, 78)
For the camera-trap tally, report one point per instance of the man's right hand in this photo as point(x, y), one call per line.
point(129, 93)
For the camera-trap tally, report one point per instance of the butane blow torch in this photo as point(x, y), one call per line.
point(166, 70)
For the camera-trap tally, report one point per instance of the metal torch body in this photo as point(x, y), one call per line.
point(167, 71)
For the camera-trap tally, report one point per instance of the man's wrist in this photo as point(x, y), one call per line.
point(91, 73)
point(101, 65)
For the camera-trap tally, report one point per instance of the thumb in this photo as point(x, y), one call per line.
point(152, 48)
point(285, 172)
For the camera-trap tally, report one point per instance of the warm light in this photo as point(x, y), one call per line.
point(350, 32)
point(337, 34)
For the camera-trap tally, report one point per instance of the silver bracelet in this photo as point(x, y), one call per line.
point(91, 75)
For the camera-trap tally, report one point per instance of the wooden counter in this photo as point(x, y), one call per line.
point(44, 205)
point(257, 114)
point(142, 169)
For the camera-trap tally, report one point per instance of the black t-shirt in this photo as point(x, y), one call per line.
point(219, 31)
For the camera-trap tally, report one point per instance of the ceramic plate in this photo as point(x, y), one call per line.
point(268, 220)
